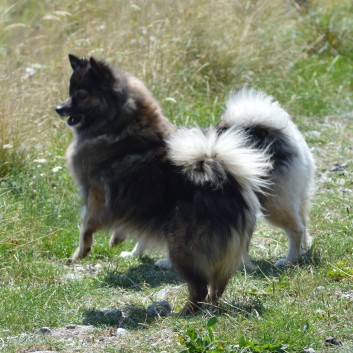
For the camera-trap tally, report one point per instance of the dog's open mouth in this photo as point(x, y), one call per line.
point(74, 119)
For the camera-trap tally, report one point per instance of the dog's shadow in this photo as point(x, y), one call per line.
point(147, 274)
point(266, 268)
point(128, 317)
point(138, 277)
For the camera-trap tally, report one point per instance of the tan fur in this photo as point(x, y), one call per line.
point(149, 119)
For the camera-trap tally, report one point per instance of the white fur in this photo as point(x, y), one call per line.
point(249, 107)
point(289, 207)
point(247, 165)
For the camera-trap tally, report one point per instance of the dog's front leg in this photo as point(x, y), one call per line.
point(86, 241)
point(91, 221)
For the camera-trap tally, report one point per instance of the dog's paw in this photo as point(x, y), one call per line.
point(126, 254)
point(164, 264)
point(79, 254)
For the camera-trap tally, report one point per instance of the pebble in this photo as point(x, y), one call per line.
point(345, 295)
point(121, 331)
point(161, 308)
point(72, 276)
point(70, 326)
point(333, 341)
point(309, 350)
point(313, 133)
point(44, 331)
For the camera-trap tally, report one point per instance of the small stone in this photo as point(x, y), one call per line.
point(313, 133)
point(44, 331)
point(345, 295)
point(84, 329)
point(161, 308)
point(309, 350)
point(121, 331)
point(79, 268)
point(70, 326)
point(333, 341)
point(72, 276)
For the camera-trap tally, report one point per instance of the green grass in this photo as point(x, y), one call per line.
point(190, 54)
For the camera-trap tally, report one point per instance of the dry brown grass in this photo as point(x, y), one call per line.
point(192, 51)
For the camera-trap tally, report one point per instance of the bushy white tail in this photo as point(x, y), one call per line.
point(207, 156)
point(249, 107)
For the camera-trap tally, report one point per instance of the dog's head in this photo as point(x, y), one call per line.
point(97, 94)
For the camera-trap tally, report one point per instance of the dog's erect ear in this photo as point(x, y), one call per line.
point(74, 61)
point(101, 71)
point(94, 64)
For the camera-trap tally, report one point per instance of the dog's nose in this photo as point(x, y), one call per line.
point(64, 109)
point(59, 109)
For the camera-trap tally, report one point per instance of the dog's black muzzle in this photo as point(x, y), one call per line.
point(65, 108)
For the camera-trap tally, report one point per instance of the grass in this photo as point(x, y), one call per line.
point(190, 54)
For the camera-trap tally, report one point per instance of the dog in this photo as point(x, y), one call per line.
point(287, 201)
point(198, 191)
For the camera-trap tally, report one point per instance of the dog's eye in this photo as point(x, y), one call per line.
point(81, 94)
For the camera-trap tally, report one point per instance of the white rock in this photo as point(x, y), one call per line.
point(121, 331)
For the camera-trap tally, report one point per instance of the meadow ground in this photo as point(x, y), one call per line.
point(190, 54)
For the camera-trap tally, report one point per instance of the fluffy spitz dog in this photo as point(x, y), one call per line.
point(199, 191)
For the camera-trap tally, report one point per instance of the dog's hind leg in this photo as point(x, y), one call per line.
point(222, 270)
point(247, 263)
point(304, 213)
point(291, 215)
point(197, 287)
point(117, 237)
point(295, 230)
point(193, 273)
point(295, 236)
point(295, 226)
point(217, 287)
